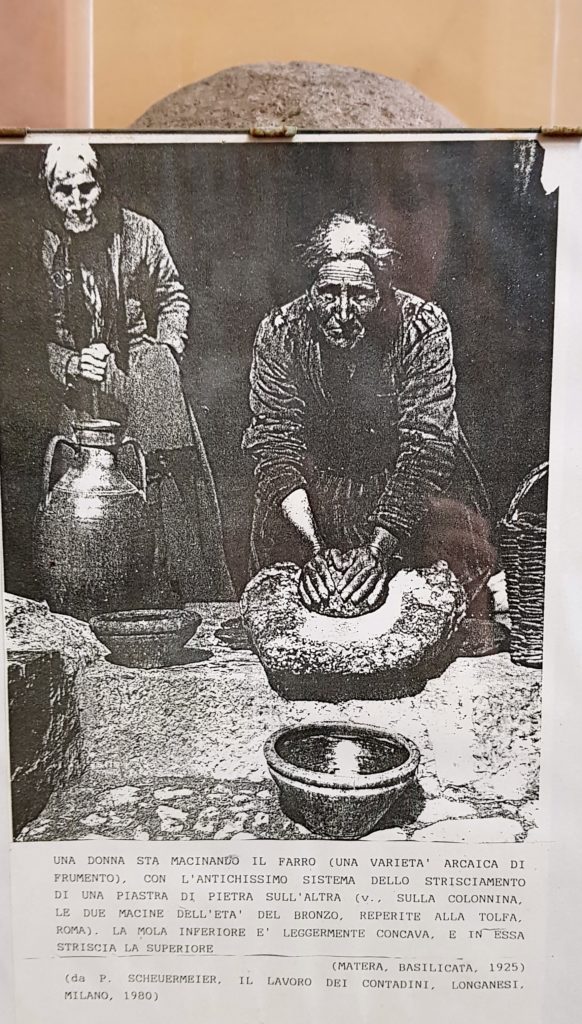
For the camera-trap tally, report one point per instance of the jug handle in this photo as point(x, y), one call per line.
point(141, 462)
point(48, 463)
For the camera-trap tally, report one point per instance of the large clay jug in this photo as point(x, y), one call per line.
point(94, 536)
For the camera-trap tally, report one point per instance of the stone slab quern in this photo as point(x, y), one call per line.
point(387, 653)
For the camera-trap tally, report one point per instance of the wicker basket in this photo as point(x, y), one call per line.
point(523, 553)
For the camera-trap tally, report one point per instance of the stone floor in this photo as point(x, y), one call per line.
point(177, 753)
point(194, 808)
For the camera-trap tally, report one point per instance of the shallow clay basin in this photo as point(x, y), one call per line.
point(337, 779)
point(146, 638)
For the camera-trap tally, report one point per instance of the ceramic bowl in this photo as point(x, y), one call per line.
point(339, 780)
point(146, 638)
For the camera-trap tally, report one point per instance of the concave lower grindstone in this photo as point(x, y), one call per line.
point(304, 94)
point(390, 652)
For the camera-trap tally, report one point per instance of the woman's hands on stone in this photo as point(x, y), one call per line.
point(316, 583)
point(360, 576)
point(366, 579)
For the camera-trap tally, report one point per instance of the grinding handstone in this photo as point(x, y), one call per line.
point(325, 97)
point(390, 652)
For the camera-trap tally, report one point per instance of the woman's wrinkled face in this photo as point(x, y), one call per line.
point(344, 294)
point(76, 195)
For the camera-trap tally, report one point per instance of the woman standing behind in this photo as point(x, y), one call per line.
point(120, 316)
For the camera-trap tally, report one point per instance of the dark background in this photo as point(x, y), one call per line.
point(475, 231)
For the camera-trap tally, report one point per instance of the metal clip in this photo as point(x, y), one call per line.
point(272, 131)
point(561, 131)
point(9, 132)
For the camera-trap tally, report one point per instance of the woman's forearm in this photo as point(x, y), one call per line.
point(297, 510)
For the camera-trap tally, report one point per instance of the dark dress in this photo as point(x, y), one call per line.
point(118, 284)
point(374, 442)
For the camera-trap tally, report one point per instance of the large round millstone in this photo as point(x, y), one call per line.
point(390, 652)
point(323, 97)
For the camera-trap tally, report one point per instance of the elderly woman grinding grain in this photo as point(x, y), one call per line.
point(360, 462)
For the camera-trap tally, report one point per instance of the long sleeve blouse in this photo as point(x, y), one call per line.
point(396, 413)
point(147, 280)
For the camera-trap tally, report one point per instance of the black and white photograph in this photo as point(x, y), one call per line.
point(274, 454)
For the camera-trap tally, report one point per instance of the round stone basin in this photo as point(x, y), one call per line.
point(339, 780)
